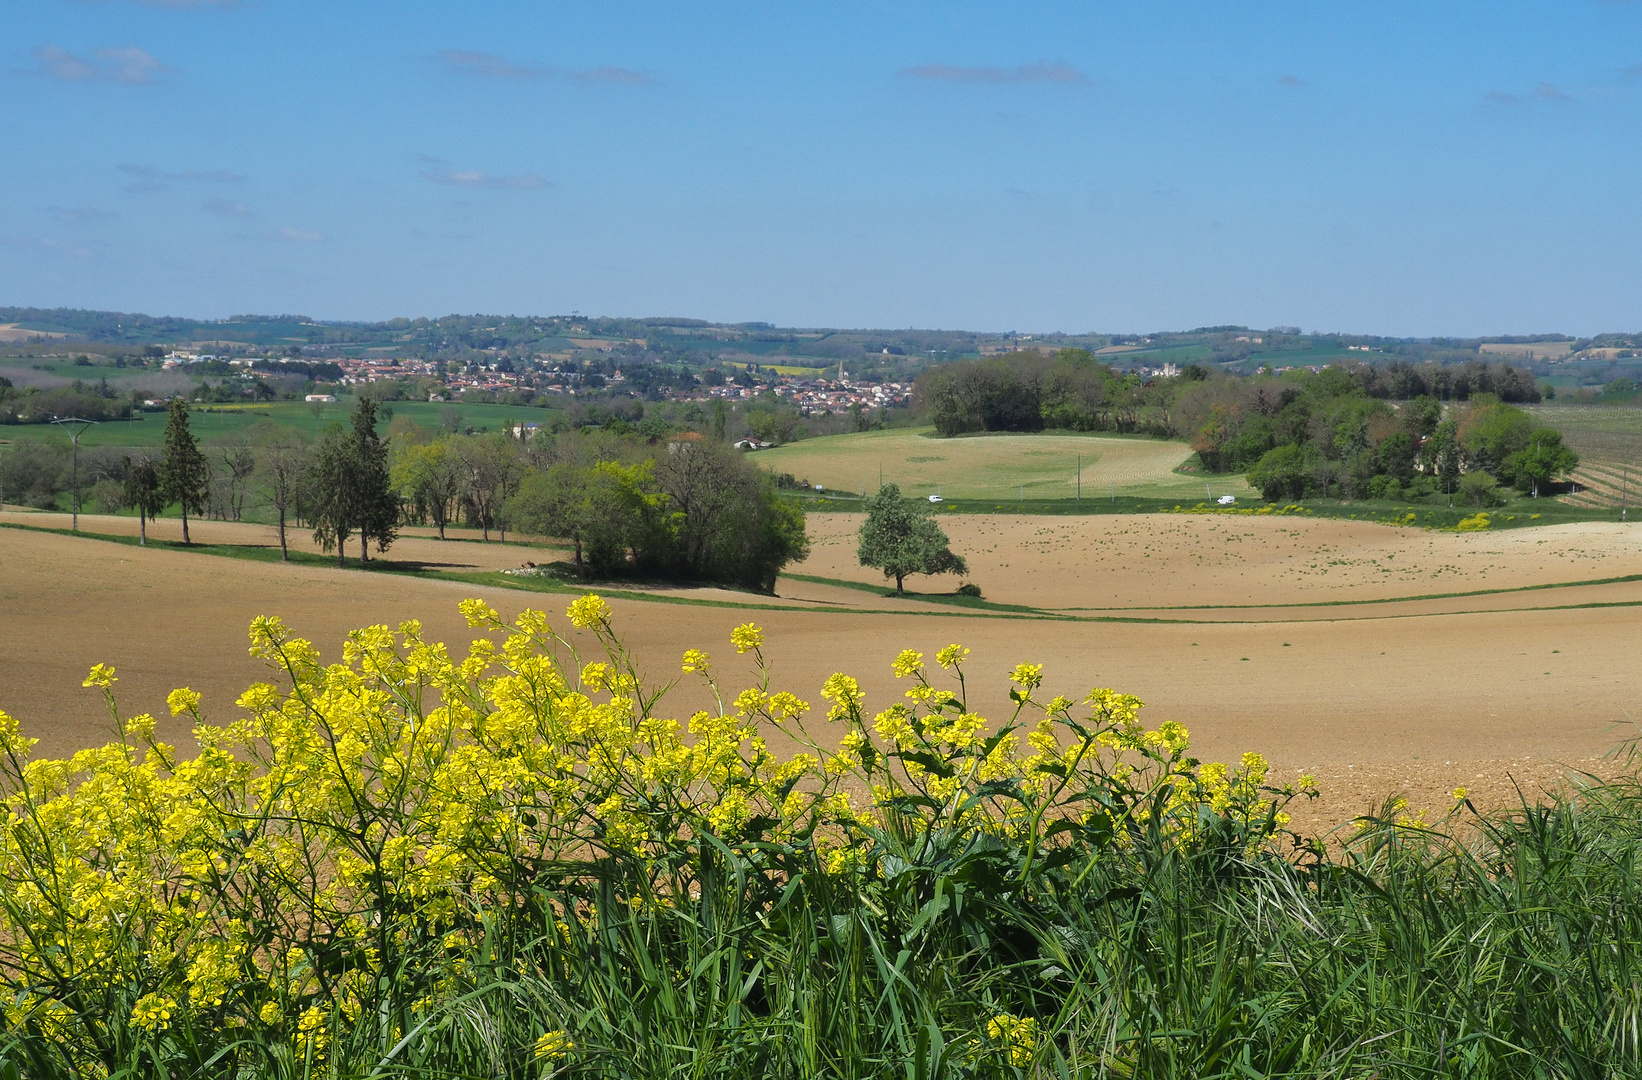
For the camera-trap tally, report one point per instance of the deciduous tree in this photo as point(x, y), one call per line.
point(901, 537)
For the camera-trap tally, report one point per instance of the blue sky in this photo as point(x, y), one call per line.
point(1397, 168)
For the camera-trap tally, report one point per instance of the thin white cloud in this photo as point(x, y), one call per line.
point(76, 214)
point(1057, 72)
point(154, 178)
point(300, 236)
point(475, 179)
point(124, 64)
point(613, 75)
point(488, 65)
point(228, 208)
point(1543, 92)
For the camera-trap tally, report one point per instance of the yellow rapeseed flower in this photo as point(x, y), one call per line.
point(746, 637)
point(909, 662)
point(696, 662)
point(153, 1012)
point(1017, 1036)
point(101, 676)
point(1028, 676)
point(182, 700)
point(588, 611)
point(477, 612)
point(952, 656)
point(553, 1046)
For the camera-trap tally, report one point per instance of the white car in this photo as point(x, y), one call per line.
point(1226, 500)
point(936, 498)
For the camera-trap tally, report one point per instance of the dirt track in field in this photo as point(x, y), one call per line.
point(1489, 691)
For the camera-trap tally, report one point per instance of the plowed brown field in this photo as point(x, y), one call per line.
point(1249, 643)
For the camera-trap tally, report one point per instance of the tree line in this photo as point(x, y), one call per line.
point(1396, 430)
point(1071, 390)
point(687, 507)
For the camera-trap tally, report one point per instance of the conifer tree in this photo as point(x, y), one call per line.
point(184, 471)
point(376, 508)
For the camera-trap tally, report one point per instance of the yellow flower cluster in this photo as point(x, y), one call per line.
point(1016, 1036)
point(370, 807)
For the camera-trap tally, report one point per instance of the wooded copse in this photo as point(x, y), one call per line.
point(1390, 431)
point(686, 507)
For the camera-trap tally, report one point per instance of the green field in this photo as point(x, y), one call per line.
point(209, 422)
point(1001, 466)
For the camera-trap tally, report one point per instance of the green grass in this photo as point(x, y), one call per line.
point(1013, 467)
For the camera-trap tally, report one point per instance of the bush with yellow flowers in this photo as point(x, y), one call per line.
point(517, 863)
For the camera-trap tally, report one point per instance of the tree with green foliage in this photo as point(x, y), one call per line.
point(376, 508)
point(900, 537)
point(185, 474)
point(428, 476)
point(1541, 461)
point(610, 511)
point(330, 492)
point(142, 491)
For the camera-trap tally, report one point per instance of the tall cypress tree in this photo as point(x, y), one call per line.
point(375, 507)
point(184, 471)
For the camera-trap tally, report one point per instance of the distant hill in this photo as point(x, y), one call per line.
point(696, 342)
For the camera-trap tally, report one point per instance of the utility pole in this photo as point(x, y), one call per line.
point(1080, 476)
point(84, 424)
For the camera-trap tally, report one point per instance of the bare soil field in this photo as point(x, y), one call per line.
point(1491, 692)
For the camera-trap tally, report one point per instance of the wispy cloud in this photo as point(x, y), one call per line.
point(228, 208)
point(473, 178)
point(492, 66)
point(47, 244)
point(184, 4)
point(125, 64)
point(76, 214)
point(1290, 80)
point(611, 74)
point(154, 178)
point(1543, 92)
point(299, 236)
point(1027, 73)
point(488, 65)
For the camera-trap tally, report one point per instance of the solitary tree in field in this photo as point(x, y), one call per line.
point(185, 474)
point(901, 538)
point(142, 490)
